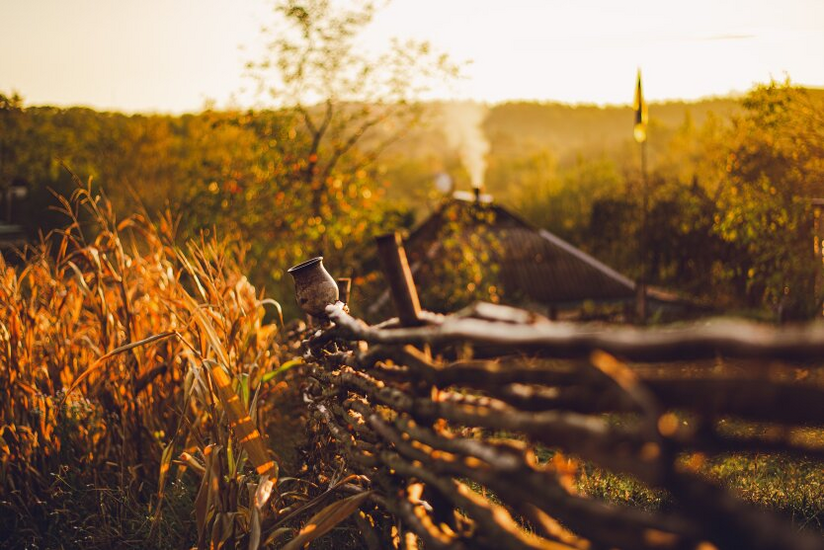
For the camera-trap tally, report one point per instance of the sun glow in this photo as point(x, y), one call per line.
point(177, 55)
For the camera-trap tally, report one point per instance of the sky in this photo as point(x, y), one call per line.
point(175, 55)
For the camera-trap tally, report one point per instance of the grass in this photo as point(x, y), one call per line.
point(789, 486)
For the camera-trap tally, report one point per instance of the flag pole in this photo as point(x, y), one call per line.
point(645, 263)
point(640, 134)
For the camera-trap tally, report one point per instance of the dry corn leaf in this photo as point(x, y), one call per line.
point(259, 496)
point(326, 520)
point(239, 419)
point(165, 465)
point(126, 347)
point(208, 485)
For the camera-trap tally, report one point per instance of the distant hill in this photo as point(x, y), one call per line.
point(564, 133)
point(571, 129)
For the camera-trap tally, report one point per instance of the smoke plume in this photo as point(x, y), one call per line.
point(463, 130)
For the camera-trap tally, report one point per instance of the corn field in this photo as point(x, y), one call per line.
point(130, 369)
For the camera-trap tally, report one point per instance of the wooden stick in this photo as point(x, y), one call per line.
point(399, 276)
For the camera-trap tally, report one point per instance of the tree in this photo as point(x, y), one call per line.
point(11, 117)
point(328, 112)
point(775, 165)
point(302, 177)
point(351, 106)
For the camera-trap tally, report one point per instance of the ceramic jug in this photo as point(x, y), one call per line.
point(314, 287)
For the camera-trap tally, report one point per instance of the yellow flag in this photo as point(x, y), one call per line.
point(641, 115)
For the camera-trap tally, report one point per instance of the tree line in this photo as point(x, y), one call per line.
point(730, 180)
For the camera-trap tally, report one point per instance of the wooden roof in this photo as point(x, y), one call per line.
point(533, 265)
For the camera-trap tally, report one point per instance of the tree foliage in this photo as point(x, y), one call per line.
point(774, 167)
point(350, 106)
point(313, 186)
point(729, 192)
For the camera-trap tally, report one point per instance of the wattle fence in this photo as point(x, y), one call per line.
point(462, 426)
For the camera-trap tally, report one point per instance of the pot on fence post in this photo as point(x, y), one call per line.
point(314, 287)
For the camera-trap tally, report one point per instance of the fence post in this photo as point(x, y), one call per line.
point(344, 289)
point(399, 276)
point(405, 296)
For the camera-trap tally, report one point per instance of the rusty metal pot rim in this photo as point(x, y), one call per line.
point(307, 263)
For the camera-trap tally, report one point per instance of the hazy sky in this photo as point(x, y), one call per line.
point(172, 55)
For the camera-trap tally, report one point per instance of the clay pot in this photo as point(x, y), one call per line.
point(314, 287)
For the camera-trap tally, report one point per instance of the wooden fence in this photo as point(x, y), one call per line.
point(458, 424)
